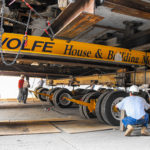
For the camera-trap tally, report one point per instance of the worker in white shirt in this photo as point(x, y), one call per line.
point(134, 107)
point(40, 82)
point(26, 85)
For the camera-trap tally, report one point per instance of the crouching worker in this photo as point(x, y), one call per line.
point(135, 107)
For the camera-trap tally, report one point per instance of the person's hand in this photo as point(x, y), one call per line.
point(115, 109)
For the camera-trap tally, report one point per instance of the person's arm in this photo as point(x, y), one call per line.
point(120, 105)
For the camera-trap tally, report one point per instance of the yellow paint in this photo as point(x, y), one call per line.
point(77, 50)
point(108, 78)
point(105, 78)
point(115, 109)
point(140, 77)
point(91, 106)
point(43, 94)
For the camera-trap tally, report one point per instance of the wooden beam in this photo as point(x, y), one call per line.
point(143, 47)
point(31, 74)
point(137, 40)
point(119, 8)
point(109, 28)
point(71, 12)
point(76, 18)
point(29, 61)
point(135, 4)
point(81, 23)
point(132, 12)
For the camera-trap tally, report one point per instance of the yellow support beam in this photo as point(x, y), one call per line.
point(43, 46)
point(86, 80)
point(91, 106)
point(43, 94)
point(108, 78)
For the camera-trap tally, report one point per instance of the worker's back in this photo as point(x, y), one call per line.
point(134, 106)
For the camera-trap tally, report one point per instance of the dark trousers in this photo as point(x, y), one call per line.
point(25, 94)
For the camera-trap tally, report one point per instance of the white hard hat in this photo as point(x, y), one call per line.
point(134, 89)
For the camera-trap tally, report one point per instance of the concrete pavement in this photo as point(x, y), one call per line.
point(98, 140)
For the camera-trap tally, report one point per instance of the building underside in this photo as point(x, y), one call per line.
point(119, 23)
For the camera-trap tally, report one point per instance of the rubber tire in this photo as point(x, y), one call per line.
point(36, 89)
point(106, 107)
point(145, 96)
point(98, 107)
point(56, 98)
point(78, 91)
point(102, 90)
point(88, 114)
point(86, 91)
point(51, 92)
point(81, 107)
point(41, 97)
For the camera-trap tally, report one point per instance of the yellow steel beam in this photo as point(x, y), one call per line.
point(86, 80)
point(91, 106)
point(108, 78)
point(44, 94)
point(43, 46)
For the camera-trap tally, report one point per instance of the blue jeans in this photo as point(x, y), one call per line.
point(131, 121)
point(20, 95)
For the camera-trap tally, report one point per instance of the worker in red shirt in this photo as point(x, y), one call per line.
point(20, 87)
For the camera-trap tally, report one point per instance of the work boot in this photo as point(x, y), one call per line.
point(144, 131)
point(129, 130)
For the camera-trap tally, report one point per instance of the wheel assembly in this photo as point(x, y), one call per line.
point(108, 114)
point(81, 106)
point(51, 93)
point(59, 98)
point(145, 96)
point(98, 106)
point(102, 90)
point(36, 90)
point(87, 113)
point(86, 91)
point(78, 91)
point(43, 91)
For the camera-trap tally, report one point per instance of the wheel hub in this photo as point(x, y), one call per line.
point(63, 101)
point(116, 115)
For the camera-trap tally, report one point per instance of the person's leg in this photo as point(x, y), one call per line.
point(22, 94)
point(146, 120)
point(144, 123)
point(25, 95)
point(19, 95)
point(128, 122)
